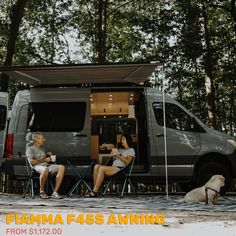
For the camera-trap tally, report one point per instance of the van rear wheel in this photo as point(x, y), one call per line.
point(208, 169)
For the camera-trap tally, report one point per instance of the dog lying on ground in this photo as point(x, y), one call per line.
point(208, 193)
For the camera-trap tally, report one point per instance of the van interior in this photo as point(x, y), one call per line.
point(112, 114)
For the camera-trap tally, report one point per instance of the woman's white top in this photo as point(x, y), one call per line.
point(125, 153)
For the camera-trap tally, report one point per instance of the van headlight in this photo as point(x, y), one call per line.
point(231, 142)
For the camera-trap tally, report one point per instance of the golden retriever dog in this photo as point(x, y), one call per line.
point(207, 193)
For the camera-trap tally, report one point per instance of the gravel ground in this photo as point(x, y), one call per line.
point(180, 218)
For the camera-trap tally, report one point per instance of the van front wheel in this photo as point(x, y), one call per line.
point(208, 169)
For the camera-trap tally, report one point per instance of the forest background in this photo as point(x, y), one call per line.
point(194, 42)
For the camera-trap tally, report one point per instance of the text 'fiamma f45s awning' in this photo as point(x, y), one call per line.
point(81, 74)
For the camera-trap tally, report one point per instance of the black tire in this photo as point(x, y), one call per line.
point(208, 169)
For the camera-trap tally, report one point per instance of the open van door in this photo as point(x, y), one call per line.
point(3, 122)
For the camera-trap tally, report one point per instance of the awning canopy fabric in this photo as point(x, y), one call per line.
point(81, 74)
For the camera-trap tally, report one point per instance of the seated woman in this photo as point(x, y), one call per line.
point(121, 158)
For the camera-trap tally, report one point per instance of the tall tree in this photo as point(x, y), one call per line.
point(208, 65)
point(101, 31)
point(17, 11)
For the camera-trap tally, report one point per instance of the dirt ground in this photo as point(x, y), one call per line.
point(176, 222)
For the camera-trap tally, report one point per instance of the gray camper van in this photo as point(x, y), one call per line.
point(79, 108)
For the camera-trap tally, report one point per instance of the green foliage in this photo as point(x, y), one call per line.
point(168, 31)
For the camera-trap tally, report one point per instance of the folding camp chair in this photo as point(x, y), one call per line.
point(80, 177)
point(125, 174)
point(32, 175)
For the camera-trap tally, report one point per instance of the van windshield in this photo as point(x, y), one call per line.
point(56, 116)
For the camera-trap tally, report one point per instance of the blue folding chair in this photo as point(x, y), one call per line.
point(80, 177)
point(122, 174)
point(32, 175)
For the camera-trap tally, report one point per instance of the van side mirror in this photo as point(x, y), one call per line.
point(3, 117)
point(192, 123)
point(195, 127)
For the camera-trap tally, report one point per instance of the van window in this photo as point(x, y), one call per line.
point(108, 133)
point(176, 118)
point(114, 125)
point(3, 117)
point(56, 116)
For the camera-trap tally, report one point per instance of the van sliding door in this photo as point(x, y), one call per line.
point(3, 121)
point(64, 119)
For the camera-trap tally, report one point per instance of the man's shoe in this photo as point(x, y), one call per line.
point(43, 195)
point(55, 195)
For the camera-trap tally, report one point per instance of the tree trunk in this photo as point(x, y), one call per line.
point(232, 104)
point(233, 13)
point(199, 102)
point(232, 107)
point(209, 81)
point(16, 18)
point(230, 8)
point(101, 32)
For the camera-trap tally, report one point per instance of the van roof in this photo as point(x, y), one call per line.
point(81, 73)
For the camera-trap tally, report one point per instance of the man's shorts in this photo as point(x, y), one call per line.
point(52, 168)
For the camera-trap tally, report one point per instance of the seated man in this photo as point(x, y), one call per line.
point(40, 160)
point(121, 158)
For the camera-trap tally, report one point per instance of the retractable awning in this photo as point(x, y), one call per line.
point(81, 74)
